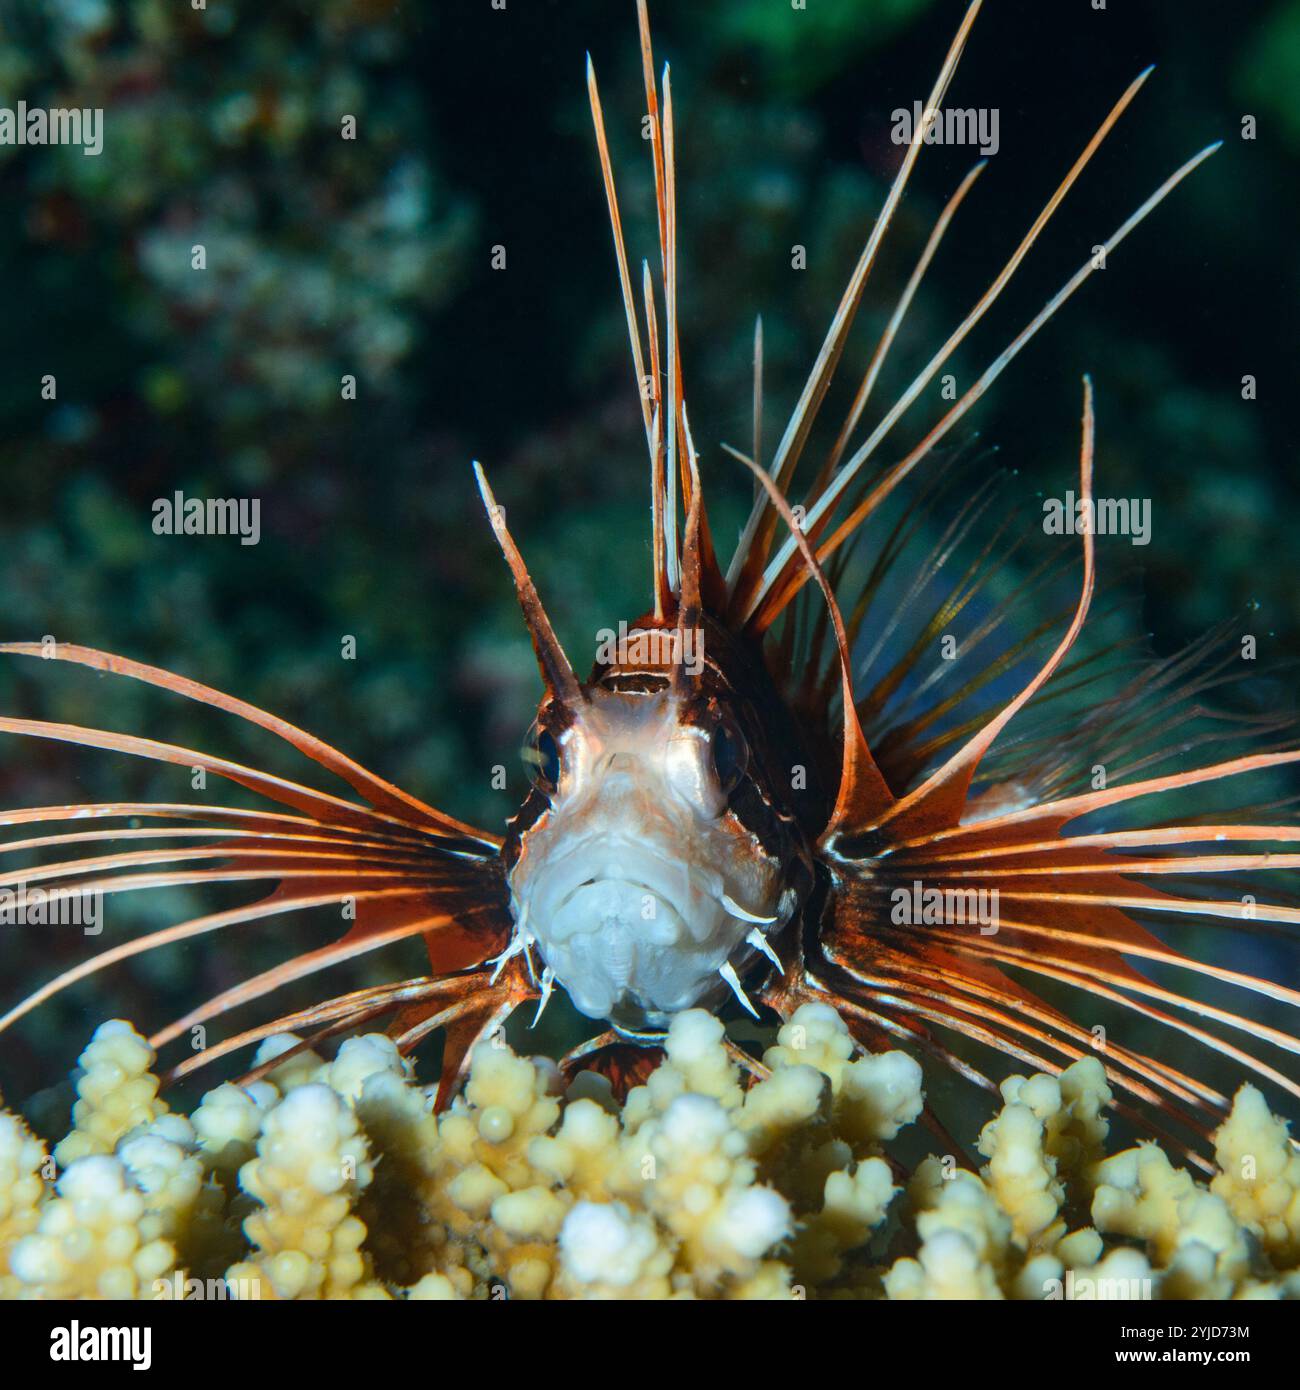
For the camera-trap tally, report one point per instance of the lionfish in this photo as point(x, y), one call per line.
point(736, 830)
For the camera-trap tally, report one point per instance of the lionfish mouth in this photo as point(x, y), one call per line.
point(601, 902)
point(631, 932)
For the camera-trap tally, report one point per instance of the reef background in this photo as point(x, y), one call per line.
point(374, 257)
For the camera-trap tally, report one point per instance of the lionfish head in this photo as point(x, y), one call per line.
point(637, 881)
point(656, 857)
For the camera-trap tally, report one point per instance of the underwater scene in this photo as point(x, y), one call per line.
point(648, 652)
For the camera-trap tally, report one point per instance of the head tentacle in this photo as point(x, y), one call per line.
point(561, 683)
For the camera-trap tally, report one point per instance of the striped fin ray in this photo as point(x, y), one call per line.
point(404, 870)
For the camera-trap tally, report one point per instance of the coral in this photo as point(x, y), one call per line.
point(22, 1162)
point(117, 1092)
point(227, 1123)
point(311, 1162)
point(336, 1179)
point(162, 1166)
point(1188, 1231)
point(90, 1240)
point(965, 1238)
point(1260, 1178)
point(1049, 1133)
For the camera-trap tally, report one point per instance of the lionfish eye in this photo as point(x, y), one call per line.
point(730, 756)
point(543, 758)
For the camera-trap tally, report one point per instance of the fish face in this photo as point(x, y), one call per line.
point(640, 887)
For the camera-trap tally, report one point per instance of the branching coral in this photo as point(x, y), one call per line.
point(117, 1092)
point(90, 1241)
point(336, 1179)
point(1260, 1178)
point(312, 1161)
point(1048, 1135)
point(22, 1162)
